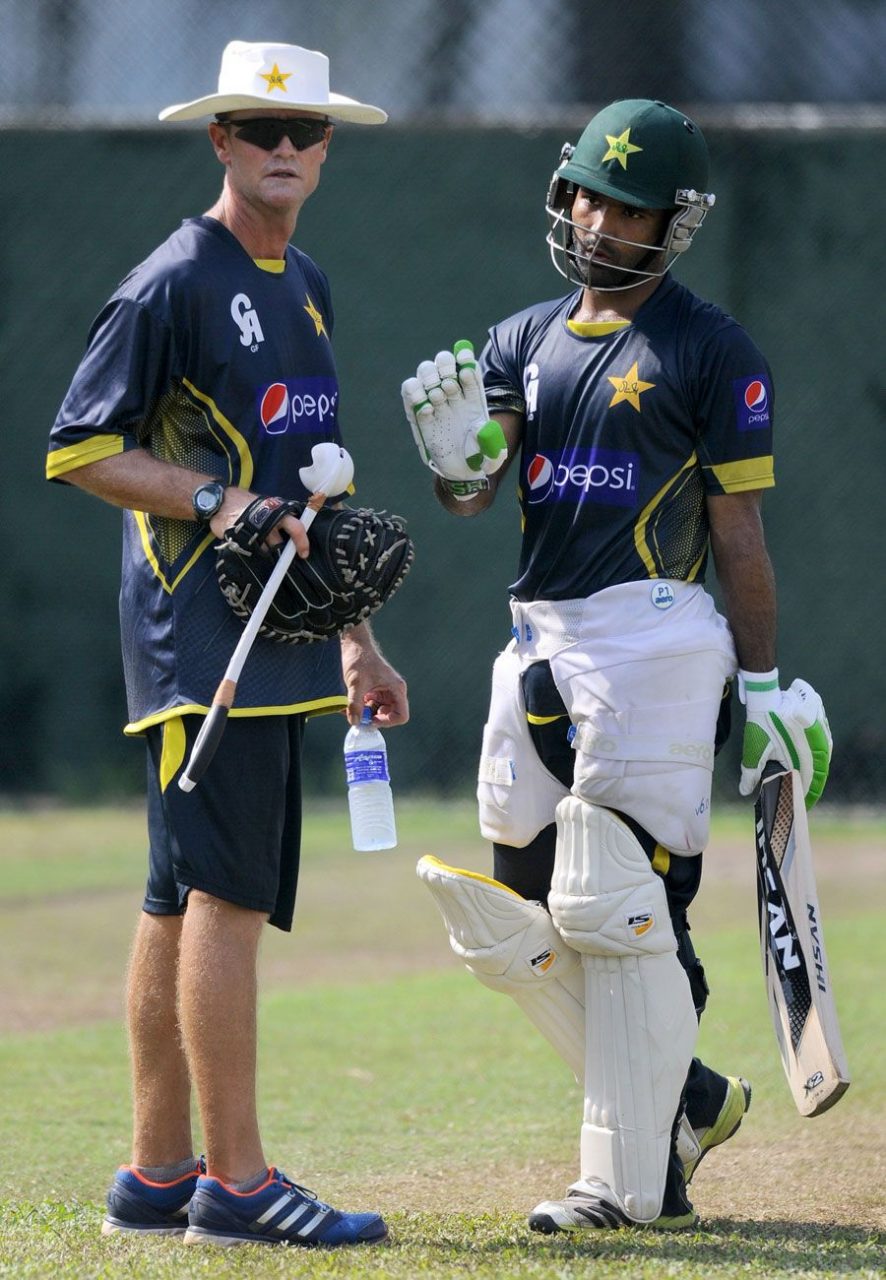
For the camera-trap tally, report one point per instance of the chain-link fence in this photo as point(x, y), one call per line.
point(503, 60)
point(432, 229)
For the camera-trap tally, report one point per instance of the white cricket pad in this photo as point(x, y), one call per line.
point(608, 904)
point(511, 945)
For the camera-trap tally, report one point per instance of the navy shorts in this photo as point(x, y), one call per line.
point(237, 835)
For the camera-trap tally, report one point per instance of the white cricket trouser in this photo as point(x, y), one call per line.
point(641, 669)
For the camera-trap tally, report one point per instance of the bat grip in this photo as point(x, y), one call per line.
point(773, 769)
point(208, 739)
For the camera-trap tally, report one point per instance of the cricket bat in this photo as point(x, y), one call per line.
point(798, 981)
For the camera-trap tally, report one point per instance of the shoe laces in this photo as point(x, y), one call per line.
point(295, 1188)
point(590, 1189)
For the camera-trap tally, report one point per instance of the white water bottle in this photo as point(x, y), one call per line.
point(369, 787)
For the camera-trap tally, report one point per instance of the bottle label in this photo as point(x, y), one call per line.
point(366, 766)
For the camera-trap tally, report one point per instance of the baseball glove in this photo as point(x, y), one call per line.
point(357, 561)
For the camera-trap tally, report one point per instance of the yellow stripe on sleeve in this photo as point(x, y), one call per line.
point(751, 473)
point(92, 449)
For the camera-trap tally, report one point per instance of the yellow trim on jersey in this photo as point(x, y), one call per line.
point(276, 266)
point(142, 519)
point(595, 328)
point(471, 875)
point(640, 542)
point(92, 449)
point(750, 473)
point(239, 441)
point(172, 753)
point(144, 531)
point(696, 568)
point(316, 707)
point(544, 719)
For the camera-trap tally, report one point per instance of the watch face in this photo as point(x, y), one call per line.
point(208, 499)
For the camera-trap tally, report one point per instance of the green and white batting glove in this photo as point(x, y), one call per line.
point(446, 409)
point(788, 726)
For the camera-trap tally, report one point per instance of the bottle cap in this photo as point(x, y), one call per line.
point(367, 715)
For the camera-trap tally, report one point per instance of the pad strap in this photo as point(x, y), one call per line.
point(621, 746)
point(498, 771)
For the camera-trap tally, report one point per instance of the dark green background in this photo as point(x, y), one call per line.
point(429, 236)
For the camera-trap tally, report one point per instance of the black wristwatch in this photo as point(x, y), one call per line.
point(207, 498)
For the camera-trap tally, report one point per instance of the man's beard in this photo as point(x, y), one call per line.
point(608, 275)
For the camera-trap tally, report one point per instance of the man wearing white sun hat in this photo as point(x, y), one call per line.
point(278, 76)
point(207, 380)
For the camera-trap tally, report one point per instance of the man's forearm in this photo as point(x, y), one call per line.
point(747, 583)
point(140, 482)
point(359, 640)
point(748, 588)
point(744, 572)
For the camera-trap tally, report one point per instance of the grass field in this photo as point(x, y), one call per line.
point(391, 1080)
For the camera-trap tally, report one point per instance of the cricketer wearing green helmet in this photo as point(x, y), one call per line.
point(638, 418)
point(647, 155)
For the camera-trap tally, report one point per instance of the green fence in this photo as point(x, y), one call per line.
point(429, 235)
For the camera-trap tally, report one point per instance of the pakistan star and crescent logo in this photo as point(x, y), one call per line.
point(276, 78)
point(620, 148)
point(318, 319)
point(629, 387)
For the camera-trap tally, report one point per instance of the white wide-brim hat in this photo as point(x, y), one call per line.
point(275, 75)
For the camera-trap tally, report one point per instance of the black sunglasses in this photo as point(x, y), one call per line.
point(268, 132)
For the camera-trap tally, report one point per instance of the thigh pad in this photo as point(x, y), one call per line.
point(516, 794)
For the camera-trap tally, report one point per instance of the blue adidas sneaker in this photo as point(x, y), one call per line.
point(277, 1212)
point(153, 1208)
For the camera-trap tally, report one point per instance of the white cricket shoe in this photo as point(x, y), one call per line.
point(591, 1206)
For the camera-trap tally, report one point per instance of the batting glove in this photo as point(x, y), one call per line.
point(788, 726)
point(446, 409)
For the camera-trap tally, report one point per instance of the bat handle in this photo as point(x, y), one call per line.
point(214, 725)
point(263, 604)
point(208, 739)
point(773, 769)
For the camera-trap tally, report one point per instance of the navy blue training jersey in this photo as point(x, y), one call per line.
point(215, 362)
point(627, 429)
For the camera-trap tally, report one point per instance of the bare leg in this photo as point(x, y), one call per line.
point(161, 1085)
point(218, 1015)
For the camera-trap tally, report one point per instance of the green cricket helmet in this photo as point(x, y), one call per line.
point(641, 153)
